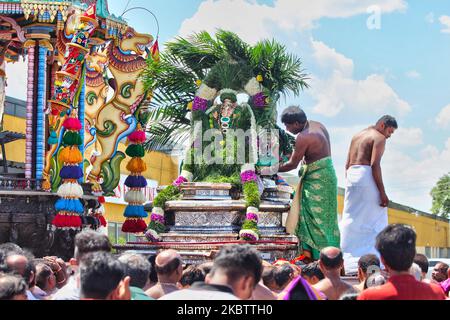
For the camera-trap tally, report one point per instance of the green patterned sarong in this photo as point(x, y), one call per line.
point(317, 227)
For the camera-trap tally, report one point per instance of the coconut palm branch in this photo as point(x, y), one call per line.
point(185, 61)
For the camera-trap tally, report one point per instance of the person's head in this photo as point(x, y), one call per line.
point(440, 272)
point(387, 125)
point(206, 267)
point(374, 280)
point(153, 276)
point(102, 277)
point(283, 275)
point(416, 272)
point(268, 277)
point(137, 268)
point(397, 246)
point(22, 265)
point(12, 287)
point(422, 261)
point(7, 249)
point(45, 278)
point(331, 260)
point(294, 119)
point(169, 266)
point(238, 266)
point(90, 241)
point(190, 275)
point(312, 273)
point(364, 266)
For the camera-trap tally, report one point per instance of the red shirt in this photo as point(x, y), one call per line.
point(403, 287)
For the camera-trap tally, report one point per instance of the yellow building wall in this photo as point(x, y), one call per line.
point(15, 151)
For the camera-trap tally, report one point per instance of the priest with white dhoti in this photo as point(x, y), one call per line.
point(365, 203)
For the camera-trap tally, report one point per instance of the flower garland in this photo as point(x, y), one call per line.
point(134, 212)
point(249, 230)
point(69, 207)
point(255, 90)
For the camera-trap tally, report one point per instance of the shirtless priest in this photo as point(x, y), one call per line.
point(365, 202)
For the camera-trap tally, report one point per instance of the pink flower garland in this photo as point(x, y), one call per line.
point(248, 176)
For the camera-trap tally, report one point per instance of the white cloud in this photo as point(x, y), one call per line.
point(445, 20)
point(340, 91)
point(443, 118)
point(16, 74)
point(413, 74)
point(254, 21)
point(407, 137)
point(429, 18)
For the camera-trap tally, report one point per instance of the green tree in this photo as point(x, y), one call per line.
point(441, 197)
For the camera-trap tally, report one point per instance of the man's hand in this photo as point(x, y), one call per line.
point(384, 200)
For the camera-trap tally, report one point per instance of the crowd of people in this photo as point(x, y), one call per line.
point(236, 273)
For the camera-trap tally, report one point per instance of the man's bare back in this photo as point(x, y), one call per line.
point(161, 289)
point(316, 140)
point(362, 146)
point(333, 289)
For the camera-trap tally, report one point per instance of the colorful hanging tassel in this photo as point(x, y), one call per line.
point(134, 212)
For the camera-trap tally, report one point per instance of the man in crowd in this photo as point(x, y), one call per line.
point(331, 264)
point(365, 201)
point(102, 277)
point(85, 242)
point(313, 217)
point(12, 287)
point(236, 271)
point(21, 263)
point(169, 267)
point(440, 271)
point(138, 269)
point(397, 247)
point(283, 275)
point(45, 281)
point(422, 261)
point(312, 273)
point(191, 275)
point(367, 265)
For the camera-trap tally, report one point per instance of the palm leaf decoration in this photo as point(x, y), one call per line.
point(185, 61)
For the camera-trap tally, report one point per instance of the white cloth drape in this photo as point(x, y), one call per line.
point(363, 217)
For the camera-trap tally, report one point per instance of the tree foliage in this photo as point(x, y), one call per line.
point(186, 61)
point(441, 197)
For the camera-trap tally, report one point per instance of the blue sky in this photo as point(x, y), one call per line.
point(357, 74)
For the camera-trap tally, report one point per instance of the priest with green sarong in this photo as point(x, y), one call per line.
point(314, 215)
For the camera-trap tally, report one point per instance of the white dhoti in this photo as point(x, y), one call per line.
point(362, 218)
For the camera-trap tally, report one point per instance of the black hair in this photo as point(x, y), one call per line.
point(43, 272)
point(422, 261)
point(153, 276)
point(282, 275)
point(137, 268)
point(237, 261)
point(368, 260)
point(11, 286)
point(293, 114)
point(268, 275)
point(206, 267)
point(90, 241)
point(100, 274)
point(331, 263)
point(169, 267)
point(397, 245)
point(7, 249)
point(192, 274)
point(388, 121)
point(313, 269)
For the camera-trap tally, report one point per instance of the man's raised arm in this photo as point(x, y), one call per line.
point(297, 156)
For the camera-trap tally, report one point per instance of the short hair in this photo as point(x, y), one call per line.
point(11, 286)
point(192, 274)
point(331, 263)
point(312, 269)
point(30, 267)
point(6, 249)
point(90, 241)
point(282, 275)
point(100, 274)
point(170, 267)
point(368, 260)
point(153, 276)
point(422, 261)
point(43, 272)
point(388, 121)
point(206, 267)
point(397, 245)
point(444, 267)
point(293, 114)
point(237, 261)
point(137, 268)
point(268, 275)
